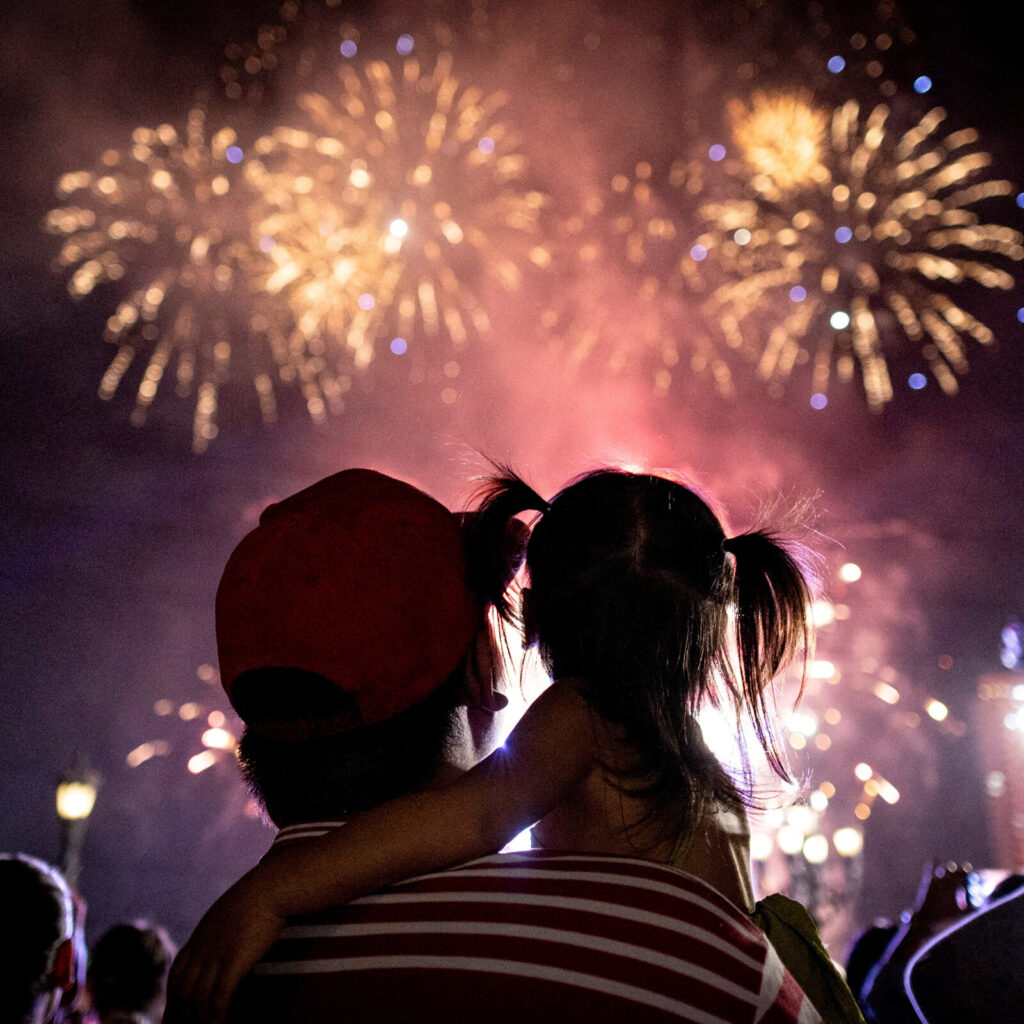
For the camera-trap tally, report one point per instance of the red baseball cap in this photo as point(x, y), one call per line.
point(361, 579)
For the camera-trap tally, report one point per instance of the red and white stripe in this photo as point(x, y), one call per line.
point(538, 935)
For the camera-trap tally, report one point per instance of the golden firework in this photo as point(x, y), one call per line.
point(781, 137)
point(165, 215)
point(628, 241)
point(833, 264)
point(403, 201)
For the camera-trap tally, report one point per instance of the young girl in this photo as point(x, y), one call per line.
point(642, 610)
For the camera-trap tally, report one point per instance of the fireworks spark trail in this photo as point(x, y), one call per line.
point(166, 217)
point(303, 41)
point(849, 238)
point(217, 729)
point(405, 199)
point(629, 241)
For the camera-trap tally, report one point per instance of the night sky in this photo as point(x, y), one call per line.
point(113, 537)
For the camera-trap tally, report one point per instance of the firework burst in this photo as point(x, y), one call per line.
point(387, 218)
point(165, 216)
point(849, 239)
point(629, 241)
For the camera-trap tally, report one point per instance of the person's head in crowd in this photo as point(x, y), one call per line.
point(631, 582)
point(127, 975)
point(37, 952)
point(866, 952)
point(354, 647)
point(1010, 884)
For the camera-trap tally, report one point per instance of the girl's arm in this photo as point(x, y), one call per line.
point(544, 758)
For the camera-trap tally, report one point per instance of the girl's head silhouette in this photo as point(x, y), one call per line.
point(637, 595)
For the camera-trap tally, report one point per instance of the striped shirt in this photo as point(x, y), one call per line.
point(535, 936)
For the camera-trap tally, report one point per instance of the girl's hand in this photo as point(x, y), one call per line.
point(228, 942)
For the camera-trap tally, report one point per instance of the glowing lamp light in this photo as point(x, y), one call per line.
point(790, 840)
point(822, 611)
point(887, 693)
point(523, 841)
point(698, 253)
point(399, 346)
point(218, 739)
point(843, 235)
point(200, 762)
point(888, 792)
point(142, 753)
point(348, 48)
point(800, 817)
point(234, 154)
point(760, 846)
point(922, 84)
point(839, 320)
point(818, 400)
point(1018, 692)
point(850, 572)
point(405, 44)
point(821, 669)
point(818, 801)
point(716, 153)
point(486, 145)
point(76, 796)
point(188, 711)
point(863, 772)
point(802, 722)
point(366, 301)
point(836, 64)
point(916, 381)
point(937, 710)
point(848, 841)
point(816, 849)
point(798, 293)
point(398, 228)
point(741, 236)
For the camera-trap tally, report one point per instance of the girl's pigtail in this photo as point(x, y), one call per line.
point(495, 540)
point(773, 597)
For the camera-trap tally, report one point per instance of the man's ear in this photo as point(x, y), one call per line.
point(480, 687)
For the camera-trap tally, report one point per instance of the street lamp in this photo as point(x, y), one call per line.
point(76, 795)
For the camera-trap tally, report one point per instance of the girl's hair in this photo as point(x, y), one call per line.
point(632, 579)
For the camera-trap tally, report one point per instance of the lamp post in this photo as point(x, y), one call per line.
point(849, 844)
point(76, 795)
